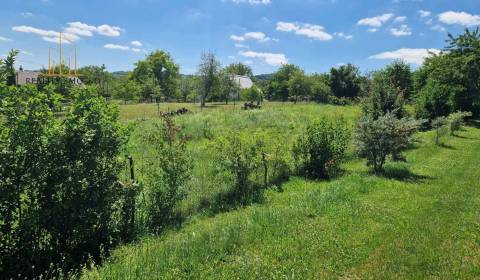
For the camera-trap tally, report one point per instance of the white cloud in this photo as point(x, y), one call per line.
point(343, 35)
point(248, 62)
point(237, 38)
point(231, 57)
point(5, 39)
point(137, 50)
point(241, 46)
point(80, 29)
point(270, 58)
point(424, 13)
point(136, 43)
point(107, 30)
point(47, 35)
point(26, 14)
point(26, 53)
point(71, 33)
point(252, 2)
point(377, 21)
point(372, 30)
point(403, 30)
point(400, 19)
point(414, 56)
point(461, 18)
point(116, 47)
point(316, 32)
point(257, 36)
point(439, 28)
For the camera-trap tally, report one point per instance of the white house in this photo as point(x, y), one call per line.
point(243, 82)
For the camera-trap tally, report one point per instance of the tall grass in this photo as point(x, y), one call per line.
point(419, 220)
point(278, 124)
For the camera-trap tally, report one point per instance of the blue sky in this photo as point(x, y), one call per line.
point(314, 34)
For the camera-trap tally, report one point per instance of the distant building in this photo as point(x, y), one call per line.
point(243, 82)
point(25, 77)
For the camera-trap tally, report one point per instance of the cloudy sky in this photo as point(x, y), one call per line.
point(314, 34)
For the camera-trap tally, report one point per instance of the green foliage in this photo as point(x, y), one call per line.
point(238, 156)
point(456, 120)
point(278, 88)
point(58, 181)
point(253, 94)
point(345, 81)
point(209, 76)
point(299, 87)
point(164, 184)
point(7, 68)
point(399, 75)
point(385, 96)
point(449, 82)
point(434, 99)
point(239, 69)
point(441, 128)
point(319, 151)
point(320, 88)
point(158, 74)
point(100, 77)
point(188, 88)
point(383, 137)
point(127, 89)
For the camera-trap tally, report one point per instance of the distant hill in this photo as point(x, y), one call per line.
point(263, 77)
point(119, 74)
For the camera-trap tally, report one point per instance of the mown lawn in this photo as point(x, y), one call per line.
point(421, 220)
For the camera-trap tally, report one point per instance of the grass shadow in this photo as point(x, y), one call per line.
point(474, 123)
point(402, 173)
point(447, 146)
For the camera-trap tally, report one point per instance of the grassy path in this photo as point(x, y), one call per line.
point(417, 223)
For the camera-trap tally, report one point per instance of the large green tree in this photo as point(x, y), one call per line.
point(450, 81)
point(160, 73)
point(239, 69)
point(278, 87)
point(400, 76)
point(345, 81)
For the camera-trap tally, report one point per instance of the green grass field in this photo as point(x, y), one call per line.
point(279, 123)
point(420, 220)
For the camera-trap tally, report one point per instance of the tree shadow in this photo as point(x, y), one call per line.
point(402, 173)
point(474, 123)
point(447, 146)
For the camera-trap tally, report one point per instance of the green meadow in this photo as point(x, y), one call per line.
point(417, 220)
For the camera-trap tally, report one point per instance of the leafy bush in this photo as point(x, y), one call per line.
point(320, 149)
point(386, 136)
point(440, 126)
point(342, 101)
point(456, 120)
point(239, 156)
point(163, 185)
point(58, 181)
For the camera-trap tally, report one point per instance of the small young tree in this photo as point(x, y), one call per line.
point(439, 124)
point(7, 68)
point(456, 121)
point(164, 185)
point(319, 151)
point(238, 155)
point(384, 96)
point(383, 137)
point(209, 76)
